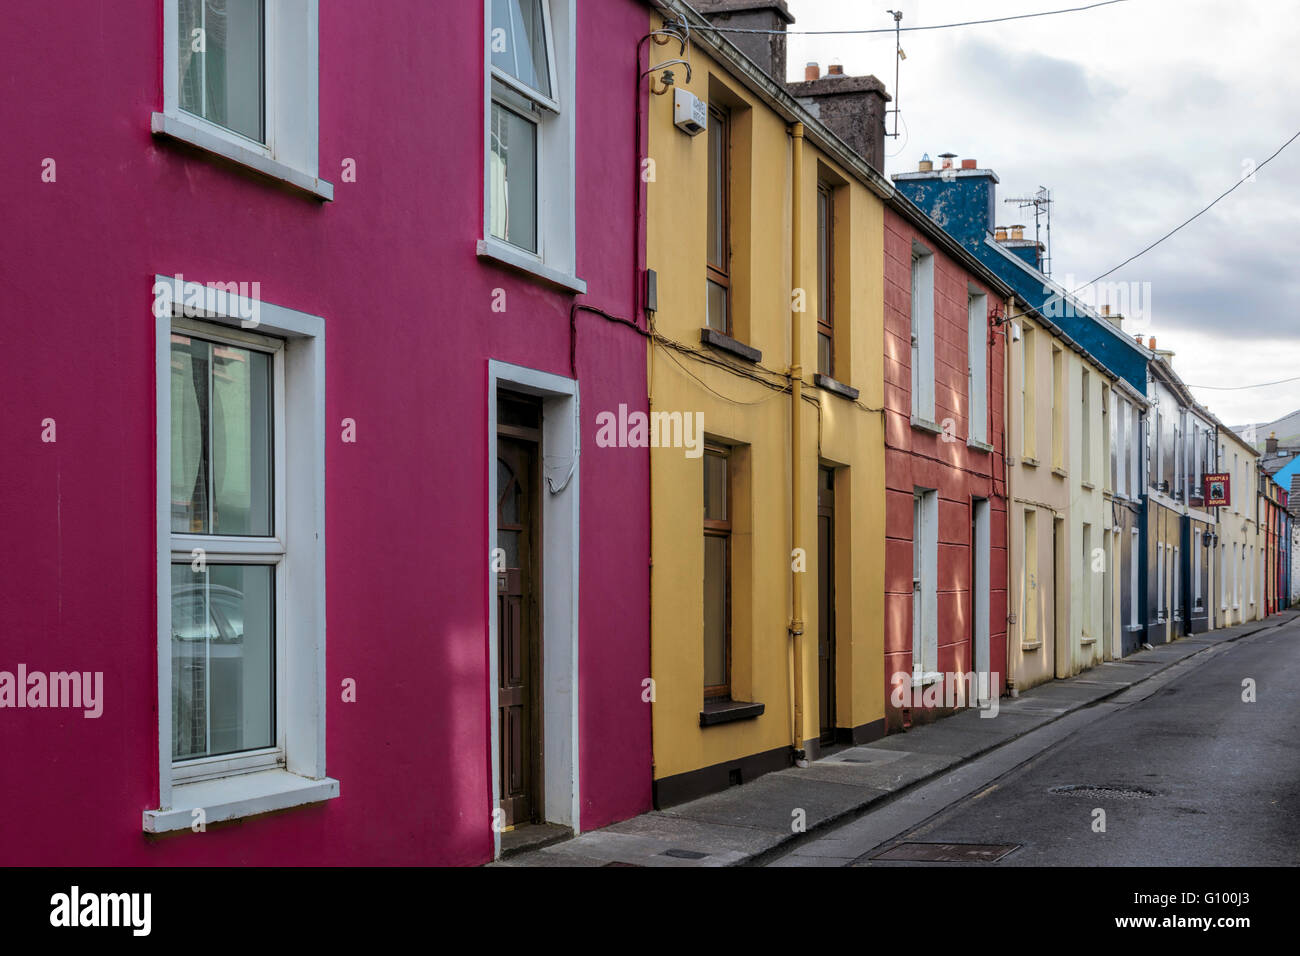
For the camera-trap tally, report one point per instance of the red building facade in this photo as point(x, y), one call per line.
point(945, 477)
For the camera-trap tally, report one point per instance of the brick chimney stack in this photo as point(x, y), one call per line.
point(1270, 444)
point(852, 107)
point(766, 49)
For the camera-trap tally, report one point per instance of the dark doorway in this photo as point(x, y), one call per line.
point(519, 636)
point(826, 602)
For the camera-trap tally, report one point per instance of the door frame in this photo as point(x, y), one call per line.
point(981, 584)
point(560, 503)
point(827, 612)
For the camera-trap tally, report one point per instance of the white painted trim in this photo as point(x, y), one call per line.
point(196, 132)
point(291, 106)
point(525, 261)
point(244, 795)
point(300, 524)
point(561, 506)
point(557, 144)
point(983, 510)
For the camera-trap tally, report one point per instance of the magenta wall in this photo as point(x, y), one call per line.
point(391, 266)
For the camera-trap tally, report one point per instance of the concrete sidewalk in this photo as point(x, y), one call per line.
point(751, 823)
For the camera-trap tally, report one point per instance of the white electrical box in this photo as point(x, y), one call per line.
point(1015, 331)
point(690, 113)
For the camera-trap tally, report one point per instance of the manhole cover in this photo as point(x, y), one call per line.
point(620, 863)
point(685, 854)
point(1112, 793)
point(947, 852)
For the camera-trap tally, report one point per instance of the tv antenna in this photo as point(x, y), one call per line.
point(1042, 203)
point(899, 57)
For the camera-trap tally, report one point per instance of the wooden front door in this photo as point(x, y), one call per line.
point(518, 626)
point(826, 602)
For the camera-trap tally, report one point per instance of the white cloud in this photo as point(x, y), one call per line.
point(1135, 115)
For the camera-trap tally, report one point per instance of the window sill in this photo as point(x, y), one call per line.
point(506, 254)
point(929, 677)
point(1031, 647)
point(726, 711)
point(181, 129)
point(725, 343)
point(925, 425)
point(979, 445)
point(1060, 472)
point(243, 795)
point(1027, 460)
point(839, 388)
point(1087, 640)
point(1088, 484)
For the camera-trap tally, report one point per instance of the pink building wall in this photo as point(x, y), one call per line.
point(916, 458)
point(391, 265)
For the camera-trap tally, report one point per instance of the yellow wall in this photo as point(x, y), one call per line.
point(687, 376)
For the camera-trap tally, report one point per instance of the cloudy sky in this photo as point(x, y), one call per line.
point(1135, 115)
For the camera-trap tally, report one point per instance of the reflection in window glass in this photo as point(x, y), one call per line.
point(222, 63)
point(223, 659)
point(221, 472)
point(518, 43)
point(512, 177)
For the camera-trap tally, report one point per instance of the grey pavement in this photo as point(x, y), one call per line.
point(850, 801)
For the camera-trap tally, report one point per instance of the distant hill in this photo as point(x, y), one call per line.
point(1287, 428)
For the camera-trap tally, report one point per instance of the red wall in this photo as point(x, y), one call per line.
point(916, 458)
point(391, 266)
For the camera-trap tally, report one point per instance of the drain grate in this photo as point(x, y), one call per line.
point(947, 852)
point(1112, 793)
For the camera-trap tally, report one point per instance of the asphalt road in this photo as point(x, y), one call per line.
point(1192, 775)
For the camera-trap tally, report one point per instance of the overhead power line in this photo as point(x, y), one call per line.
point(936, 26)
point(1238, 388)
point(1198, 215)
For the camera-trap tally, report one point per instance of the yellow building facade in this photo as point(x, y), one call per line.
point(764, 236)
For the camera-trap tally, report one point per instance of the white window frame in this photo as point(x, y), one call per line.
point(269, 550)
point(1135, 559)
point(922, 334)
point(556, 258)
point(977, 321)
point(291, 85)
point(293, 772)
point(925, 570)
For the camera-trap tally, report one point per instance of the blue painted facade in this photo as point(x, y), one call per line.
point(963, 202)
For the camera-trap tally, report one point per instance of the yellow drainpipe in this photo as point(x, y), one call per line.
point(796, 433)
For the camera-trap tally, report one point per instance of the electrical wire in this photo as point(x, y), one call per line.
point(1186, 222)
point(1237, 388)
point(937, 26)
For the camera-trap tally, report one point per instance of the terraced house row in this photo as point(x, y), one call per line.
point(576, 425)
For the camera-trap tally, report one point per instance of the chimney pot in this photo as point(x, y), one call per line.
point(1105, 310)
point(1151, 343)
point(926, 165)
point(835, 69)
point(968, 164)
point(1000, 234)
point(1017, 232)
point(1138, 338)
point(812, 71)
point(947, 160)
